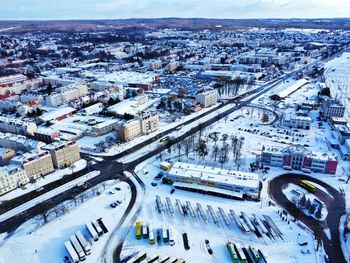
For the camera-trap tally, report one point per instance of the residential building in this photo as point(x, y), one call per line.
point(17, 126)
point(35, 163)
point(12, 177)
point(63, 153)
point(207, 98)
point(299, 158)
point(331, 108)
point(149, 122)
point(129, 130)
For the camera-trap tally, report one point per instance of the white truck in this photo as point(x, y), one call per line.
point(78, 248)
point(92, 231)
point(84, 244)
point(72, 253)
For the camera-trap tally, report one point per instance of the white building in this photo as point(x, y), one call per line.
point(149, 122)
point(35, 163)
point(207, 98)
point(17, 126)
point(298, 122)
point(12, 177)
point(215, 180)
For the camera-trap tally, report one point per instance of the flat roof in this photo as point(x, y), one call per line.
point(218, 175)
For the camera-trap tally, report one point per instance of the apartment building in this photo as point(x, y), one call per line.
point(17, 126)
point(63, 153)
point(331, 108)
point(35, 163)
point(207, 98)
point(299, 158)
point(12, 177)
point(129, 130)
point(149, 122)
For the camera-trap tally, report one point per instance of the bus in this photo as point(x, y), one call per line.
point(151, 235)
point(308, 186)
point(138, 258)
point(84, 244)
point(232, 252)
point(240, 253)
point(153, 259)
point(77, 247)
point(165, 234)
point(255, 254)
point(145, 230)
point(138, 230)
point(73, 255)
point(164, 260)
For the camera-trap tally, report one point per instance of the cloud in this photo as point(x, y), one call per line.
point(110, 9)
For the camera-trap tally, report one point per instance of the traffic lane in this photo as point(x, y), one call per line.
point(335, 207)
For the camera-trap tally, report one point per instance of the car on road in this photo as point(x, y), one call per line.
point(210, 251)
point(117, 188)
point(154, 184)
point(172, 191)
point(303, 243)
point(113, 205)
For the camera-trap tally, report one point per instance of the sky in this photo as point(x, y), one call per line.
point(114, 9)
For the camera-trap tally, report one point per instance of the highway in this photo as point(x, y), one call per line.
point(333, 200)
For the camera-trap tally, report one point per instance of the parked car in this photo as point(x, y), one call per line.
point(210, 251)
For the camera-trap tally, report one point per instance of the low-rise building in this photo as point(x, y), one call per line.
point(35, 163)
point(6, 154)
point(63, 153)
point(299, 158)
point(12, 177)
point(207, 98)
point(214, 180)
point(298, 122)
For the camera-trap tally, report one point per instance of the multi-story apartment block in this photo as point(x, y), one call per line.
point(207, 98)
point(149, 122)
point(331, 108)
point(35, 163)
point(130, 130)
point(17, 126)
point(298, 158)
point(12, 177)
point(63, 153)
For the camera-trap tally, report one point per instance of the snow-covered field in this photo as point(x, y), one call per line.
point(37, 242)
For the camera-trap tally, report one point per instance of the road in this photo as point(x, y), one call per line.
point(335, 207)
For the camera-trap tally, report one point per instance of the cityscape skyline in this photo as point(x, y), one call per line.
point(70, 10)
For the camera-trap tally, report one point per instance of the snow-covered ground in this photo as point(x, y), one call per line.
point(296, 199)
point(56, 175)
point(38, 242)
